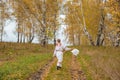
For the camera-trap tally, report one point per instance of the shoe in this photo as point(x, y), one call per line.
point(58, 67)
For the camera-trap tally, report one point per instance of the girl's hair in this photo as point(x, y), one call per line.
point(58, 40)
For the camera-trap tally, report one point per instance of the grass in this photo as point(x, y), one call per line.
point(81, 58)
point(19, 61)
point(100, 63)
point(23, 66)
point(10, 51)
point(64, 73)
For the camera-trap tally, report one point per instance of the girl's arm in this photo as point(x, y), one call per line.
point(68, 49)
point(54, 53)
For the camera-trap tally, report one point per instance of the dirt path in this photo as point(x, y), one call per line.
point(42, 73)
point(63, 73)
point(76, 72)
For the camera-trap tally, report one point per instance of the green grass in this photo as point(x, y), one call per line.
point(19, 61)
point(23, 66)
point(64, 73)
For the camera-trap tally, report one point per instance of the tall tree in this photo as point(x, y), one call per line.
point(41, 19)
point(86, 15)
point(2, 18)
point(101, 28)
point(113, 21)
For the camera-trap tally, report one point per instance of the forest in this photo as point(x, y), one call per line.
point(91, 26)
point(92, 22)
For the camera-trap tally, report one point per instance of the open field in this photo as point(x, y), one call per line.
point(19, 61)
point(100, 63)
point(33, 62)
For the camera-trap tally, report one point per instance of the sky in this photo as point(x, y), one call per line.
point(11, 36)
point(9, 32)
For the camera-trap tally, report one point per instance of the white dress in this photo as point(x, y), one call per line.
point(58, 52)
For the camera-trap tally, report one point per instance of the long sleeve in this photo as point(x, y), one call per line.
point(66, 48)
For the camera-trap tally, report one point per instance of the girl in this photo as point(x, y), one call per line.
point(58, 52)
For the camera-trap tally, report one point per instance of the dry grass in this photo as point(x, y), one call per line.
point(98, 63)
point(9, 51)
point(101, 63)
point(18, 61)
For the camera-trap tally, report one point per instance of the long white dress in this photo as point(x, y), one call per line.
point(58, 52)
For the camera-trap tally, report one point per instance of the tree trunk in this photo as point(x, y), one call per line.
point(101, 29)
point(55, 30)
point(43, 42)
point(84, 27)
point(2, 31)
point(2, 14)
point(24, 38)
point(31, 37)
point(78, 38)
point(18, 33)
point(21, 37)
point(54, 36)
point(117, 43)
point(24, 31)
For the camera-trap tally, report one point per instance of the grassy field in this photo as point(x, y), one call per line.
point(23, 66)
point(20, 61)
point(100, 63)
